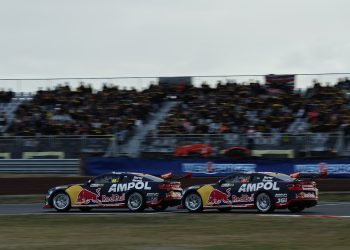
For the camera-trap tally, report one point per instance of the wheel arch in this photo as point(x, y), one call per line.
point(142, 207)
point(130, 192)
point(269, 193)
point(50, 200)
point(190, 191)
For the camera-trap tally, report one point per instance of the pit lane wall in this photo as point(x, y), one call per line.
point(214, 168)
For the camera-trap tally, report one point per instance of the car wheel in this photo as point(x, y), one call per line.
point(193, 202)
point(136, 202)
point(264, 203)
point(61, 202)
point(85, 209)
point(224, 209)
point(160, 208)
point(296, 208)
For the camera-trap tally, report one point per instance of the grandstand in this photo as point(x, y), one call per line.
point(153, 121)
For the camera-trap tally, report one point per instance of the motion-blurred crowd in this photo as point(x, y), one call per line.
point(226, 108)
point(6, 96)
point(63, 111)
point(237, 108)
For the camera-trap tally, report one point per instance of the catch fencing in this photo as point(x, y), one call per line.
point(302, 145)
point(76, 147)
point(53, 147)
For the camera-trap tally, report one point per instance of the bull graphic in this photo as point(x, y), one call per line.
point(217, 197)
point(86, 197)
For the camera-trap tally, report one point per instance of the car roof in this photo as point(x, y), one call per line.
point(132, 173)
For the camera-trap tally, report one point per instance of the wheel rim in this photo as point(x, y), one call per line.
point(263, 202)
point(61, 201)
point(135, 201)
point(193, 202)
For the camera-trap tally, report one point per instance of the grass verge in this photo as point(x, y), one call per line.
point(172, 231)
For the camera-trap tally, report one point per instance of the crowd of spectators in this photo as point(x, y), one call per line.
point(239, 108)
point(226, 108)
point(6, 96)
point(84, 111)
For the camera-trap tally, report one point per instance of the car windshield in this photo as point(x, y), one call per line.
point(282, 177)
point(153, 178)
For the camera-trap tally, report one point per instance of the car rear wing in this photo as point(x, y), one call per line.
point(170, 177)
point(322, 173)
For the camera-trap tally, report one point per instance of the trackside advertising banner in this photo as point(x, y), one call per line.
point(204, 167)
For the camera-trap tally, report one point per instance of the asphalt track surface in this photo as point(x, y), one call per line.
point(323, 209)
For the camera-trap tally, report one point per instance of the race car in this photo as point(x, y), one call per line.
point(264, 191)
point(135, 191)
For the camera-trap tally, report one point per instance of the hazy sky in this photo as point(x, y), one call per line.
point(100, 38)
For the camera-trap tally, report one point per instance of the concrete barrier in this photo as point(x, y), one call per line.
point(40, 166)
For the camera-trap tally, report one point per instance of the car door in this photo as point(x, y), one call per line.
point(232, 186)
point(245, 187)
point(90, 194)
point(114, 193)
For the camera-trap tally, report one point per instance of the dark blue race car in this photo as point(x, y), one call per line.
point(135, 191)
point(263, 191)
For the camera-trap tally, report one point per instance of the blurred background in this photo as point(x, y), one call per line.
point(192, 117)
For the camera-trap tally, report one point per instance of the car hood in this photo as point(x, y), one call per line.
point(65, 186)
point(195, 187)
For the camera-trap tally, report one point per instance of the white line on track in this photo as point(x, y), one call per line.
point(86, 214)
point(307, 216)
point(334, 204)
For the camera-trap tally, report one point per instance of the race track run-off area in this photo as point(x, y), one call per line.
point(323, 209)
point(28, 226)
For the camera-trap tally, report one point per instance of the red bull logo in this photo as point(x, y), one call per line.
point(304, 195)
point(86, 197)
point(113, 198)
point(243, 198)
point(218, 197)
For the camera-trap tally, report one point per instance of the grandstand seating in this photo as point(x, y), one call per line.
point(230, 114)
point(235, 108)
point(63, 111)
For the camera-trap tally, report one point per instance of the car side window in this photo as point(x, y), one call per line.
point(257, 178)
point(104, 179)
point(116, 179)
point(229, 180)
point(237, 179)
point(126, 178)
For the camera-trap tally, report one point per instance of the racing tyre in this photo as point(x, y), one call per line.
point(85, 209)
point(296, 208)
point(136, 202)
point(264, 203)
point(160, 208)
point(193, 202)
point(61, 202)
point(224, 209)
